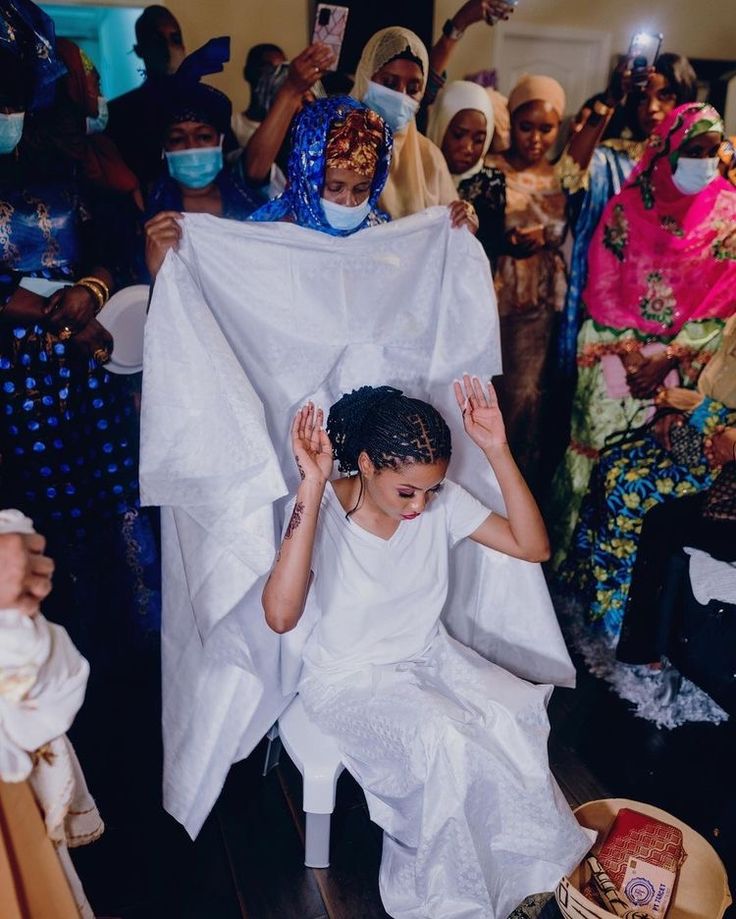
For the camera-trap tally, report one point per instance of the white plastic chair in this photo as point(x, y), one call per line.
point(318, 759)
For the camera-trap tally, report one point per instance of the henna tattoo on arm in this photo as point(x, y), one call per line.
point(296, 519)
point(300, 468)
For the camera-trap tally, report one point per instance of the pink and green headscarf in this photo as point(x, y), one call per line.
point(659, 259)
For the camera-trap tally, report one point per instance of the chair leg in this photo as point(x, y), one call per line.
point(317, 842)
point(273, 750)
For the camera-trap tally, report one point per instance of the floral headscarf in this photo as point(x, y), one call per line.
point(659, 259)
point(306, 173)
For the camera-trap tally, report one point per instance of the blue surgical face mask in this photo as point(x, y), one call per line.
point(342, 217)
point(693, 174)
point(11, 131)
point(396, 109)
point(97, 125)
point(196, 167)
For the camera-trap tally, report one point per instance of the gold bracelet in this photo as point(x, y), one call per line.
point(93, 279)
point(95, 291)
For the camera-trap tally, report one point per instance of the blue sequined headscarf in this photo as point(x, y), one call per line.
point(27, 34)
point(306, 171)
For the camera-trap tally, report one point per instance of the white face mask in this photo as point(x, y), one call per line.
point(97, 125)
point(396, 109)
point(342, 217)
point(692, 175)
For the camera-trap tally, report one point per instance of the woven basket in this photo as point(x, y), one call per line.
point(702, 886)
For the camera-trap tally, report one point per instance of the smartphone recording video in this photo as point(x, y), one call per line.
point(643, 53)
point(329, 28)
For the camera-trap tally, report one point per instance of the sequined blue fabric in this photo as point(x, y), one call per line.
point(69, 435)
point(306, 172)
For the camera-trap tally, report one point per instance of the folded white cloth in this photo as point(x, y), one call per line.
point(247, 321)
point(710, 578)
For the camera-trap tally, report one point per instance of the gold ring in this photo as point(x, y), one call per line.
point(65, 333)
point(101, 356)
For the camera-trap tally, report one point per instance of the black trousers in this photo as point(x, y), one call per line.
point(667, 528)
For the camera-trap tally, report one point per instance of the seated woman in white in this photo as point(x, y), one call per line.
point(450, 749)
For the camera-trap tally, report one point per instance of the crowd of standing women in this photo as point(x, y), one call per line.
point(617, 348)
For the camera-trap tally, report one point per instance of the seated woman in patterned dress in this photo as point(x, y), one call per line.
point(450, 749)
point(620, 369)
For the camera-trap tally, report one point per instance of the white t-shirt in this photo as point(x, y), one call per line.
point(380, 600)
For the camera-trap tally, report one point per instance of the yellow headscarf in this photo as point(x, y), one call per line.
point(419, 177)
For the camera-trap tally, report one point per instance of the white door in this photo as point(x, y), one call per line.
point(580, 59)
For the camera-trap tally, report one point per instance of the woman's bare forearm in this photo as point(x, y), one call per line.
point(285, 592)
point(522, 533)
point(264, 145)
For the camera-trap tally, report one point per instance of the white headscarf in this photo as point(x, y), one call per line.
point(419, 177)
point(454, 98)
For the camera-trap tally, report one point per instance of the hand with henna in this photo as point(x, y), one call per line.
point(720, 446)
point(311, 445)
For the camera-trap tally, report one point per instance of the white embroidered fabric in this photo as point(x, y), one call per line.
point(451, 752)
point(248, 321)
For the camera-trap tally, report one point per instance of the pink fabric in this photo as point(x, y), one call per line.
point(659, 259)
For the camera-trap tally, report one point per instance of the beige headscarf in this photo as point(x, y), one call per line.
point(531, 88)
point(502, 121)
point(419, 177)
point(453, 98)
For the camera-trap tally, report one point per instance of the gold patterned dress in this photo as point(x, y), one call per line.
point(530, 291)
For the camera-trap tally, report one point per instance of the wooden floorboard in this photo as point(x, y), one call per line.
point(247, 862)
point(265, 850)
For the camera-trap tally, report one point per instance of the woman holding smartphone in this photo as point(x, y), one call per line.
point(530, 277)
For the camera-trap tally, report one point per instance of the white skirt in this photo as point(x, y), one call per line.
point(451, 752)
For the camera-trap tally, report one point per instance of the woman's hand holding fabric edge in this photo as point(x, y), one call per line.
point(463, 214)
point(163, 232)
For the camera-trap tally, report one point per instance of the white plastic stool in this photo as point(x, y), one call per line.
point(316, 756)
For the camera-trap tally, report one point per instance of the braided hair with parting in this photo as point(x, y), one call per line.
point(391, 428)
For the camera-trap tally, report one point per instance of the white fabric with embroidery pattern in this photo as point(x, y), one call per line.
point(247, 321)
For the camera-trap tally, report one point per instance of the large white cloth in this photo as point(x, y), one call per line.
point(246, 322)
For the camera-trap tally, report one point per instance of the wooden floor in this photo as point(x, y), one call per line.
point(247, 861)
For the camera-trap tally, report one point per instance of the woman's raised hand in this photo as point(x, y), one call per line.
point(481, 415)
point(311, 445)
point(163, 232)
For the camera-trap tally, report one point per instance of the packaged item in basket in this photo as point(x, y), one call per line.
point(642, 856)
